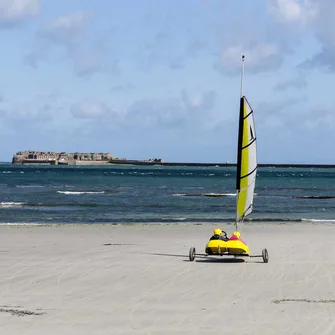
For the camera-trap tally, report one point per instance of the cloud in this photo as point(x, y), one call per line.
point(298, 82)
point(195, 47)
point(267, 45)
point(285, 128)
point(88, 63)
point(151, 127)
point(324, 27)
point(161, 50)
point(187, 110)
point(70, 33)
point(30, 115)
point(262, 46)
point(38, 55)
point(323, 59)
point(65, 30)
point(283, 112)
point(296, 126)
point(90, 110)
point(156, 113)
point(199, 100)
point(14, 11)
point(174, 128)
point(260, 56)
point(122, 88)
point(148, 126)
point(293, 11)
point(319, 119)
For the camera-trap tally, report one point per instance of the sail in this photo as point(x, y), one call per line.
point(246, 161)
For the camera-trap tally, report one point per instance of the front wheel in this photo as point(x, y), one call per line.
point(265, 255)
point(191, 254)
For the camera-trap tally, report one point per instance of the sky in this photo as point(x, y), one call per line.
point(161, 78)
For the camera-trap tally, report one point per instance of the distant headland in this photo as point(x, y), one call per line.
point(80, 158)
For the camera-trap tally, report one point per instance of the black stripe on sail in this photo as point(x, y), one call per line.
point(239, 147)
point(248, 114)
point(246, 146)
point(248, 174)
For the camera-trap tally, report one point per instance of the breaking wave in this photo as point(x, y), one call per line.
point(81, 192)
point(11, 204)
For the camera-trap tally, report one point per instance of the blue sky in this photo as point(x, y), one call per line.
point(161, 78)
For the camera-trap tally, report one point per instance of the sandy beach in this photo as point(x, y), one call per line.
point(138, 280)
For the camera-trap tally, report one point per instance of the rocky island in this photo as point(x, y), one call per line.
point(76, 158)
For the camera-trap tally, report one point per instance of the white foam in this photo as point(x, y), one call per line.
point(80, 192)
point(19, 224)
point(11, 204)
point(319, 220)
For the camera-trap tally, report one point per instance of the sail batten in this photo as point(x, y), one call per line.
point(246, 161)
point(247, 175)
point(249, 144)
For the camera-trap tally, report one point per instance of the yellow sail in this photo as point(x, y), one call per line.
point(246, 161)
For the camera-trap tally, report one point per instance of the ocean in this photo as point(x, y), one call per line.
point(39, 194)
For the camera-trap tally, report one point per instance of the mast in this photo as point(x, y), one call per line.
point(242, 76)
point(239, 147)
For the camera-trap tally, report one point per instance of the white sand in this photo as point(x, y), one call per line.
point(146, 285)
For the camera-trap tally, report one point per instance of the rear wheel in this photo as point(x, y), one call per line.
point(265, 255)
point(191, 254)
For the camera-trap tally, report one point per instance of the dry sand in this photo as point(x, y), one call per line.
point(138, 280)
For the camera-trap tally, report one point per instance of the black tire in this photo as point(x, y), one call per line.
point(191, 254)
point(265, 256)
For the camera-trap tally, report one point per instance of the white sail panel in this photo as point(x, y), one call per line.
point(247, 161)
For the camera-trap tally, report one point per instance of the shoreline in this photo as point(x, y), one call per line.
point(303, 222)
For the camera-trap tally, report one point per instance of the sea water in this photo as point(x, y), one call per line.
point(142, 194)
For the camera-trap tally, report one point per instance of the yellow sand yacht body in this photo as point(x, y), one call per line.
point(234, 246)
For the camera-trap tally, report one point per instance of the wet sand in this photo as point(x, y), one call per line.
point(138, 280)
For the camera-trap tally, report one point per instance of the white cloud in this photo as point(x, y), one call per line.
point(283, 111)
point(12, 11)
point(319, 119)
point(90, 110)
point(65, 29)
point(27, 116)
point(161, 50)
point(69, 33)
point(189, 109)
point(260, 57)
point(87, 62)
point(198, 99)
point(293, 11)
point(324, 27)
point(298, 82)
point(151, 113)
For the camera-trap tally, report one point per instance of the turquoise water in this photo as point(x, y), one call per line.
point(115, 194)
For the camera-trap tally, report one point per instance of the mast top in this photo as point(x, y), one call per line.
point(242, 75)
